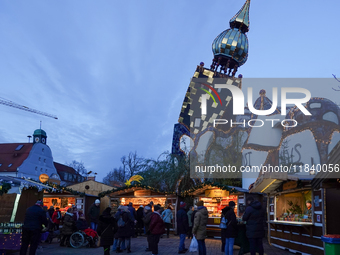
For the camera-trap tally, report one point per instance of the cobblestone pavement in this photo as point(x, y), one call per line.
point(167, 246)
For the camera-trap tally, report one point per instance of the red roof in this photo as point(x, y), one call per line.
point(12, 155)
point(64, 168)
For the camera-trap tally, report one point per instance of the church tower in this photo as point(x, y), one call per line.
point(39, 136)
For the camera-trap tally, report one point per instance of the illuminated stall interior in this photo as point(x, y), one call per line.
point(140, 195)
point(292, 206)
point(215, 198)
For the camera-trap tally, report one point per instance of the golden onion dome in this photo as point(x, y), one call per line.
point(232, 44)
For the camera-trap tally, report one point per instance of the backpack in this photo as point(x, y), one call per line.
point(121, 223)
point(123, 220)
point(58, 215)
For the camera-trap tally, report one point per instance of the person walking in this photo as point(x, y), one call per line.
point(68, 228)
point(56, 218)
point(147, 220)
point(156, 229)
point(199, 229)
point(35, 217)
point(94, 213)
point(231, 230)
point(255, 218)
point(182, 227)
point(139, 218)
point(167, 218)
point(116, 239)
point(189, 213)
point(107, 227)
point(125, 229)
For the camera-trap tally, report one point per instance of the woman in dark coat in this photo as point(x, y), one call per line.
point(224, 230)
point(231, 230)
point(255, 218)
point(69, 226)
point(107, 227)
point(126, 231)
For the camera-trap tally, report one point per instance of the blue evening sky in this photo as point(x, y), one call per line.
point(116, 72)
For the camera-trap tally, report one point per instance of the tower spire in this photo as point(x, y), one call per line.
point(230, 48)
point(241, 19)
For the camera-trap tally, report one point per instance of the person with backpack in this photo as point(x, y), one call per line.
point(117, 216)
point(167, 218)
point(231, 229)
point(156, 229)
point(125, 231)
point(107, 227)
point(56, 218)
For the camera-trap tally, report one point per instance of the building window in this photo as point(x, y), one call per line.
point(10, 165)
point(39, 158)
point(46, 170)
point(36, 168)
point(40, 169)
point(19, 147)
point(44, 160)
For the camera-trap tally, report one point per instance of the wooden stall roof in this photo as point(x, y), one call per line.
point(116, 192)
point(20, 183)
point(200, 188)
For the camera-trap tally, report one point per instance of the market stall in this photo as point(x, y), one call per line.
point(216, 197)
point(294, 213)
point(140, 195)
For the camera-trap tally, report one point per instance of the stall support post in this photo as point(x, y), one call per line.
point(268, 218)
point(15, 208)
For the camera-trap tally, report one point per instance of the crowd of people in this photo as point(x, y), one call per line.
point(116, 228)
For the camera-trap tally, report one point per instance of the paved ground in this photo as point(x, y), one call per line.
point(166, 247)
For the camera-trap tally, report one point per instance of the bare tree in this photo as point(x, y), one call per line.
point(116, 174)
point(79, 167)
point(133, 164)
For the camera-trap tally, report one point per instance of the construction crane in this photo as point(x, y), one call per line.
point(25, 108)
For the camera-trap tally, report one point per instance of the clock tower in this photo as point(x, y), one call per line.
point(39, 136)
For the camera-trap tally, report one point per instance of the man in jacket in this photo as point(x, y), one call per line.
point(35, 217)
point(147, 221)
point(254, 216)
point(94, 213)
point(199, 229)
point(182, 227)
point(156, 229)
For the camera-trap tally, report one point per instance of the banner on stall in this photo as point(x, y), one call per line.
point(216, 193)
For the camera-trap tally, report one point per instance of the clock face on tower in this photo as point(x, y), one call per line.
point(36, 139)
